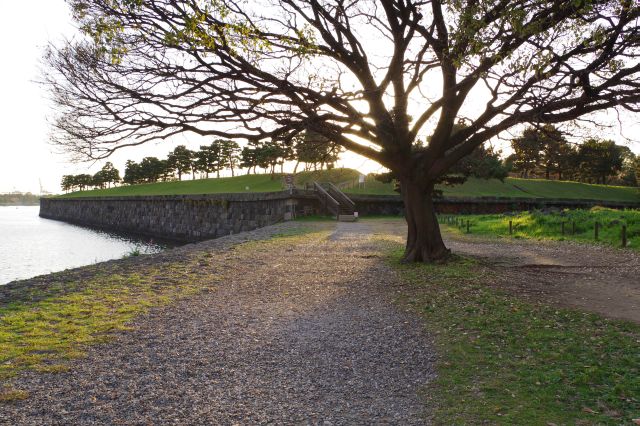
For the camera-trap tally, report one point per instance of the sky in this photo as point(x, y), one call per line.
point(26, 157)
point(27, 161)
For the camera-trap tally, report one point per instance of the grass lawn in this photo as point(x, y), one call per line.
point(254, 183)
point(506, 361)
point(511, 187)
point(540, 225)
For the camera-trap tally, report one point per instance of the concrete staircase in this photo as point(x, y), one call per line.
point(287, 181)
point(336, 202)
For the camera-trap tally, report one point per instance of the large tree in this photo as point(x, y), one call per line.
point(317, 150)
point(208, 159)
point(229, 154)
point(526, 152)
point(539, 147)
point(600, 159)
point(182, 160)
point(368, 75)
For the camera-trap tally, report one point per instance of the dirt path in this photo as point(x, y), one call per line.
point(595, 278)
point(600, 279)
point(299, 334)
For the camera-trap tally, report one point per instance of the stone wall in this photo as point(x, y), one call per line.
point(180, 218)
point(368, 205)
point(189, 218)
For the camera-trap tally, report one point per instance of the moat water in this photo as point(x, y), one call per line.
point(32, 246)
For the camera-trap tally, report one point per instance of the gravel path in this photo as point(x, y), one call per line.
point(297, 334)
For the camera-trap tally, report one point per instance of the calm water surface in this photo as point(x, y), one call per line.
point(31, 246)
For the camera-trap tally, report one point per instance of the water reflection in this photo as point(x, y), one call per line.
point(31, 246)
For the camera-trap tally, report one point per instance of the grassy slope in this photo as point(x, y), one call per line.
point(520, 188)
point(506, 361)
point(538, 225)
point(256, 183)
point(512, 187)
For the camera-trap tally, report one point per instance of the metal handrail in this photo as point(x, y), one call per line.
point(341, 195)
point(327, 199)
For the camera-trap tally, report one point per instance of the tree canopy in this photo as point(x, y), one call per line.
point(544, 151)
point(272, 69)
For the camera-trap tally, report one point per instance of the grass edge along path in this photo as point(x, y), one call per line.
point(43, 328)
point(548, 226)
point(506, 361)
point(58, 324)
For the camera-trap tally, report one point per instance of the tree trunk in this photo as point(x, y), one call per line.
point(424, 240)
point(295, 169)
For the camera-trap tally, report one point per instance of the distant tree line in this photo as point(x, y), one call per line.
point(314, 151)
point(104, 178)
point(19, 199)
point(310, 149)
point(545, 152)
point(539, 152)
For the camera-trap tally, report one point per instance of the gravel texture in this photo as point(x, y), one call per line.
point(305, 333)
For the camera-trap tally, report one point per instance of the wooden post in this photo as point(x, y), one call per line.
point(597, 230)
point(511, 227)
point(624, 235)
